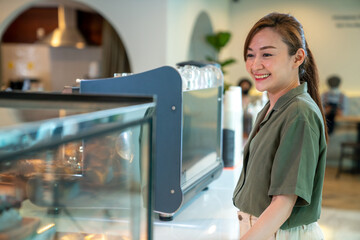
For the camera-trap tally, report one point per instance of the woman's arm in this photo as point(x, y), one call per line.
point(272, 218)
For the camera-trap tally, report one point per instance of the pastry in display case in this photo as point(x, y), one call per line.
point(76, 166)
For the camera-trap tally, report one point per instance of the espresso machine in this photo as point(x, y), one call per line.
point(188, 126)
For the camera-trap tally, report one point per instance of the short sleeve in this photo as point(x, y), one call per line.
point(295, 162)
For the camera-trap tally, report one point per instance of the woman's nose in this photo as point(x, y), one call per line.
point(257, 64)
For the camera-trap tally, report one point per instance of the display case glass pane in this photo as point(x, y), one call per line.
point(76, 171)
point(201, 133)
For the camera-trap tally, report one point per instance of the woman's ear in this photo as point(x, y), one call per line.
point(299, 57)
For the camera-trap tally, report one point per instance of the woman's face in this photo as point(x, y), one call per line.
point(269, 63)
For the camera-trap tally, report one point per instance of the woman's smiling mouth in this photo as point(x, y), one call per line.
point(261, 77)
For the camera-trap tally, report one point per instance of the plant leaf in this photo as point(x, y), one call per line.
point(212, 40)
point(223, 38)
point(227, 62)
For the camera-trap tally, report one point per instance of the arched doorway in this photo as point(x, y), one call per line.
point(25, 55)
point(199, 49)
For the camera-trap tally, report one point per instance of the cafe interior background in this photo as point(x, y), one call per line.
point(151, 34)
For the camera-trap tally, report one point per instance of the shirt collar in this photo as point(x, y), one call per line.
point(284, 99)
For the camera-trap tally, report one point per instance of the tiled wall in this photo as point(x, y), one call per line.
point(69, 64)
point(54, 67)
point(21, 61)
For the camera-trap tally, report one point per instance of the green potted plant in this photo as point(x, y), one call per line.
point(218, 41)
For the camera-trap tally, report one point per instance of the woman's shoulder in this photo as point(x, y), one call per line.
point(303, 107)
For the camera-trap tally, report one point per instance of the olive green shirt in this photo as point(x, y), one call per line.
point(285, 154)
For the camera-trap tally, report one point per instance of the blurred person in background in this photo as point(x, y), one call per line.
point(335, 103)
point(246, 86)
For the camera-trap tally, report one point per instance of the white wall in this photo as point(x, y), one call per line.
point(335, 49)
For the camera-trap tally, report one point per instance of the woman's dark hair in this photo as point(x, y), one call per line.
point(292, 34)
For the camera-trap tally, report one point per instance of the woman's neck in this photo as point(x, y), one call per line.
point(274, 97)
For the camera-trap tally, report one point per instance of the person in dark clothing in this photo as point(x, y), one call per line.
point(335, 103)
point(246, 85)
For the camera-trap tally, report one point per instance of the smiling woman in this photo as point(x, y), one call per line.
point(279, 190)
point(270, 65)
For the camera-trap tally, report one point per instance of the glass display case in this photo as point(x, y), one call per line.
point(76, 166)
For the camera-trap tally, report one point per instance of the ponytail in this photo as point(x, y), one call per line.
point(308, 73)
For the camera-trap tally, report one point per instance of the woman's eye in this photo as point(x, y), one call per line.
point(267, 55)
point(249, 55)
